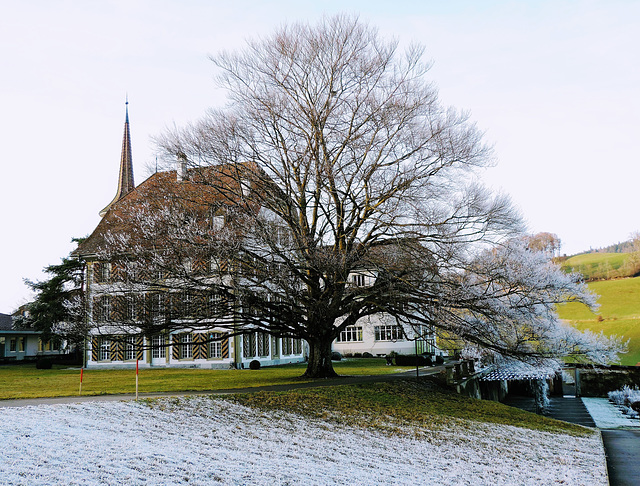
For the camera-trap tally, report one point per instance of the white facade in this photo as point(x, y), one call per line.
point(380, 335)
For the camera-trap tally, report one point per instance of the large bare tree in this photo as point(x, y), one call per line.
point(334, 186)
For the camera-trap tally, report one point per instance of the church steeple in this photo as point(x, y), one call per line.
point(125, 179)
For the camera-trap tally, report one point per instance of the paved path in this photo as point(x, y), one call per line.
point(623, 456)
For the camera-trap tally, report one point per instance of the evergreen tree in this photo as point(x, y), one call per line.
point(58, 309)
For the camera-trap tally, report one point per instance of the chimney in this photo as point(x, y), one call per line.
point(181, 168)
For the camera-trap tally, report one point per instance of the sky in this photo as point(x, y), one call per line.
point(554, 85)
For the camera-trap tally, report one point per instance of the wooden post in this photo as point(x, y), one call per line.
point(80, 390)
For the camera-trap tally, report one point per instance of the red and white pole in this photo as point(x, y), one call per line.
point(80, 391)
point(136, 380)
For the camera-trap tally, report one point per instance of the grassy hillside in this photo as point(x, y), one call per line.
point(403, 402)
point(600, 266)
point(619, 313)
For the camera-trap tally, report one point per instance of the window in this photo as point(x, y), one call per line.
point(263, 343)
point(186, 346)
point(130, 348)
point(102, 272)
point(21, 345)
point(51, 345)
point(131, 308)
point(287, 346)
point(249, 345)
point(105, 350)
point(351, 334)
point(157, 307)
point(358, 280)
point(12, 345)
point(217, 305)
point(158, 346)
point(102, 308)
point(186, 304)
point(297, 346)
point(389, 333)
point(215, 345)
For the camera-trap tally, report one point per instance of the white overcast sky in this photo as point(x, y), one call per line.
point(554, 84)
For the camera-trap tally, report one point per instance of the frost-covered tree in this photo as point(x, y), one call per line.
point(335, 186)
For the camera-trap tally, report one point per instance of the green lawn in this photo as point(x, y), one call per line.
point(25, 381)
point(619, 313)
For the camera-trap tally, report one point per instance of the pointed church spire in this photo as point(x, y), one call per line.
point(125, 179)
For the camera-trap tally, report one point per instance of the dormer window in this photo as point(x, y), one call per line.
point(217, 222)
point(358, 280)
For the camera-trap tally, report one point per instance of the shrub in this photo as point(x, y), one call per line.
point(366, 354)
point(411, 360)
point(336, 356)
point(625, 399)
point(44, 364)
point(439, 360)
point(357, 355)
point(254, 365)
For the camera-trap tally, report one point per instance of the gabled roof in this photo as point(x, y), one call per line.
point(6, 322)
point(201, 190)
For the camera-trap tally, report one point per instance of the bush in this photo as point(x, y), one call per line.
point(336, 356)
point(44, 364)
point(366, 354)
point(411, 360)
point(626, 399)
point(254, 365)
point(439, 360)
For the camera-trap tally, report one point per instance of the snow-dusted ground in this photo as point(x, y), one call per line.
point(202, 441)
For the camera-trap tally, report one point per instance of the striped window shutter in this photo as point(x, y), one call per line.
point(95, 348)
point(113, 351)
point(97, 272)
point(225, 348)
point(175, 348)
point(199, 347)
point(139, 348)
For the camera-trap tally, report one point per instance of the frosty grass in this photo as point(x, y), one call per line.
point(204, 441)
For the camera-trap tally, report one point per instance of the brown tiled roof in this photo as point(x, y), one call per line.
point(203, 189)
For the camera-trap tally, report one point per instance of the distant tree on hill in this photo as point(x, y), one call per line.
point(548, 243)
point(633, 262)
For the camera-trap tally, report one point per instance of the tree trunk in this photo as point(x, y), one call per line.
point(319, 365)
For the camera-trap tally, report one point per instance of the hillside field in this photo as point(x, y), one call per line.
point(619, 313)
point(600, 266)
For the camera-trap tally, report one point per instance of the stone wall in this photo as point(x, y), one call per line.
point(597, 382)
